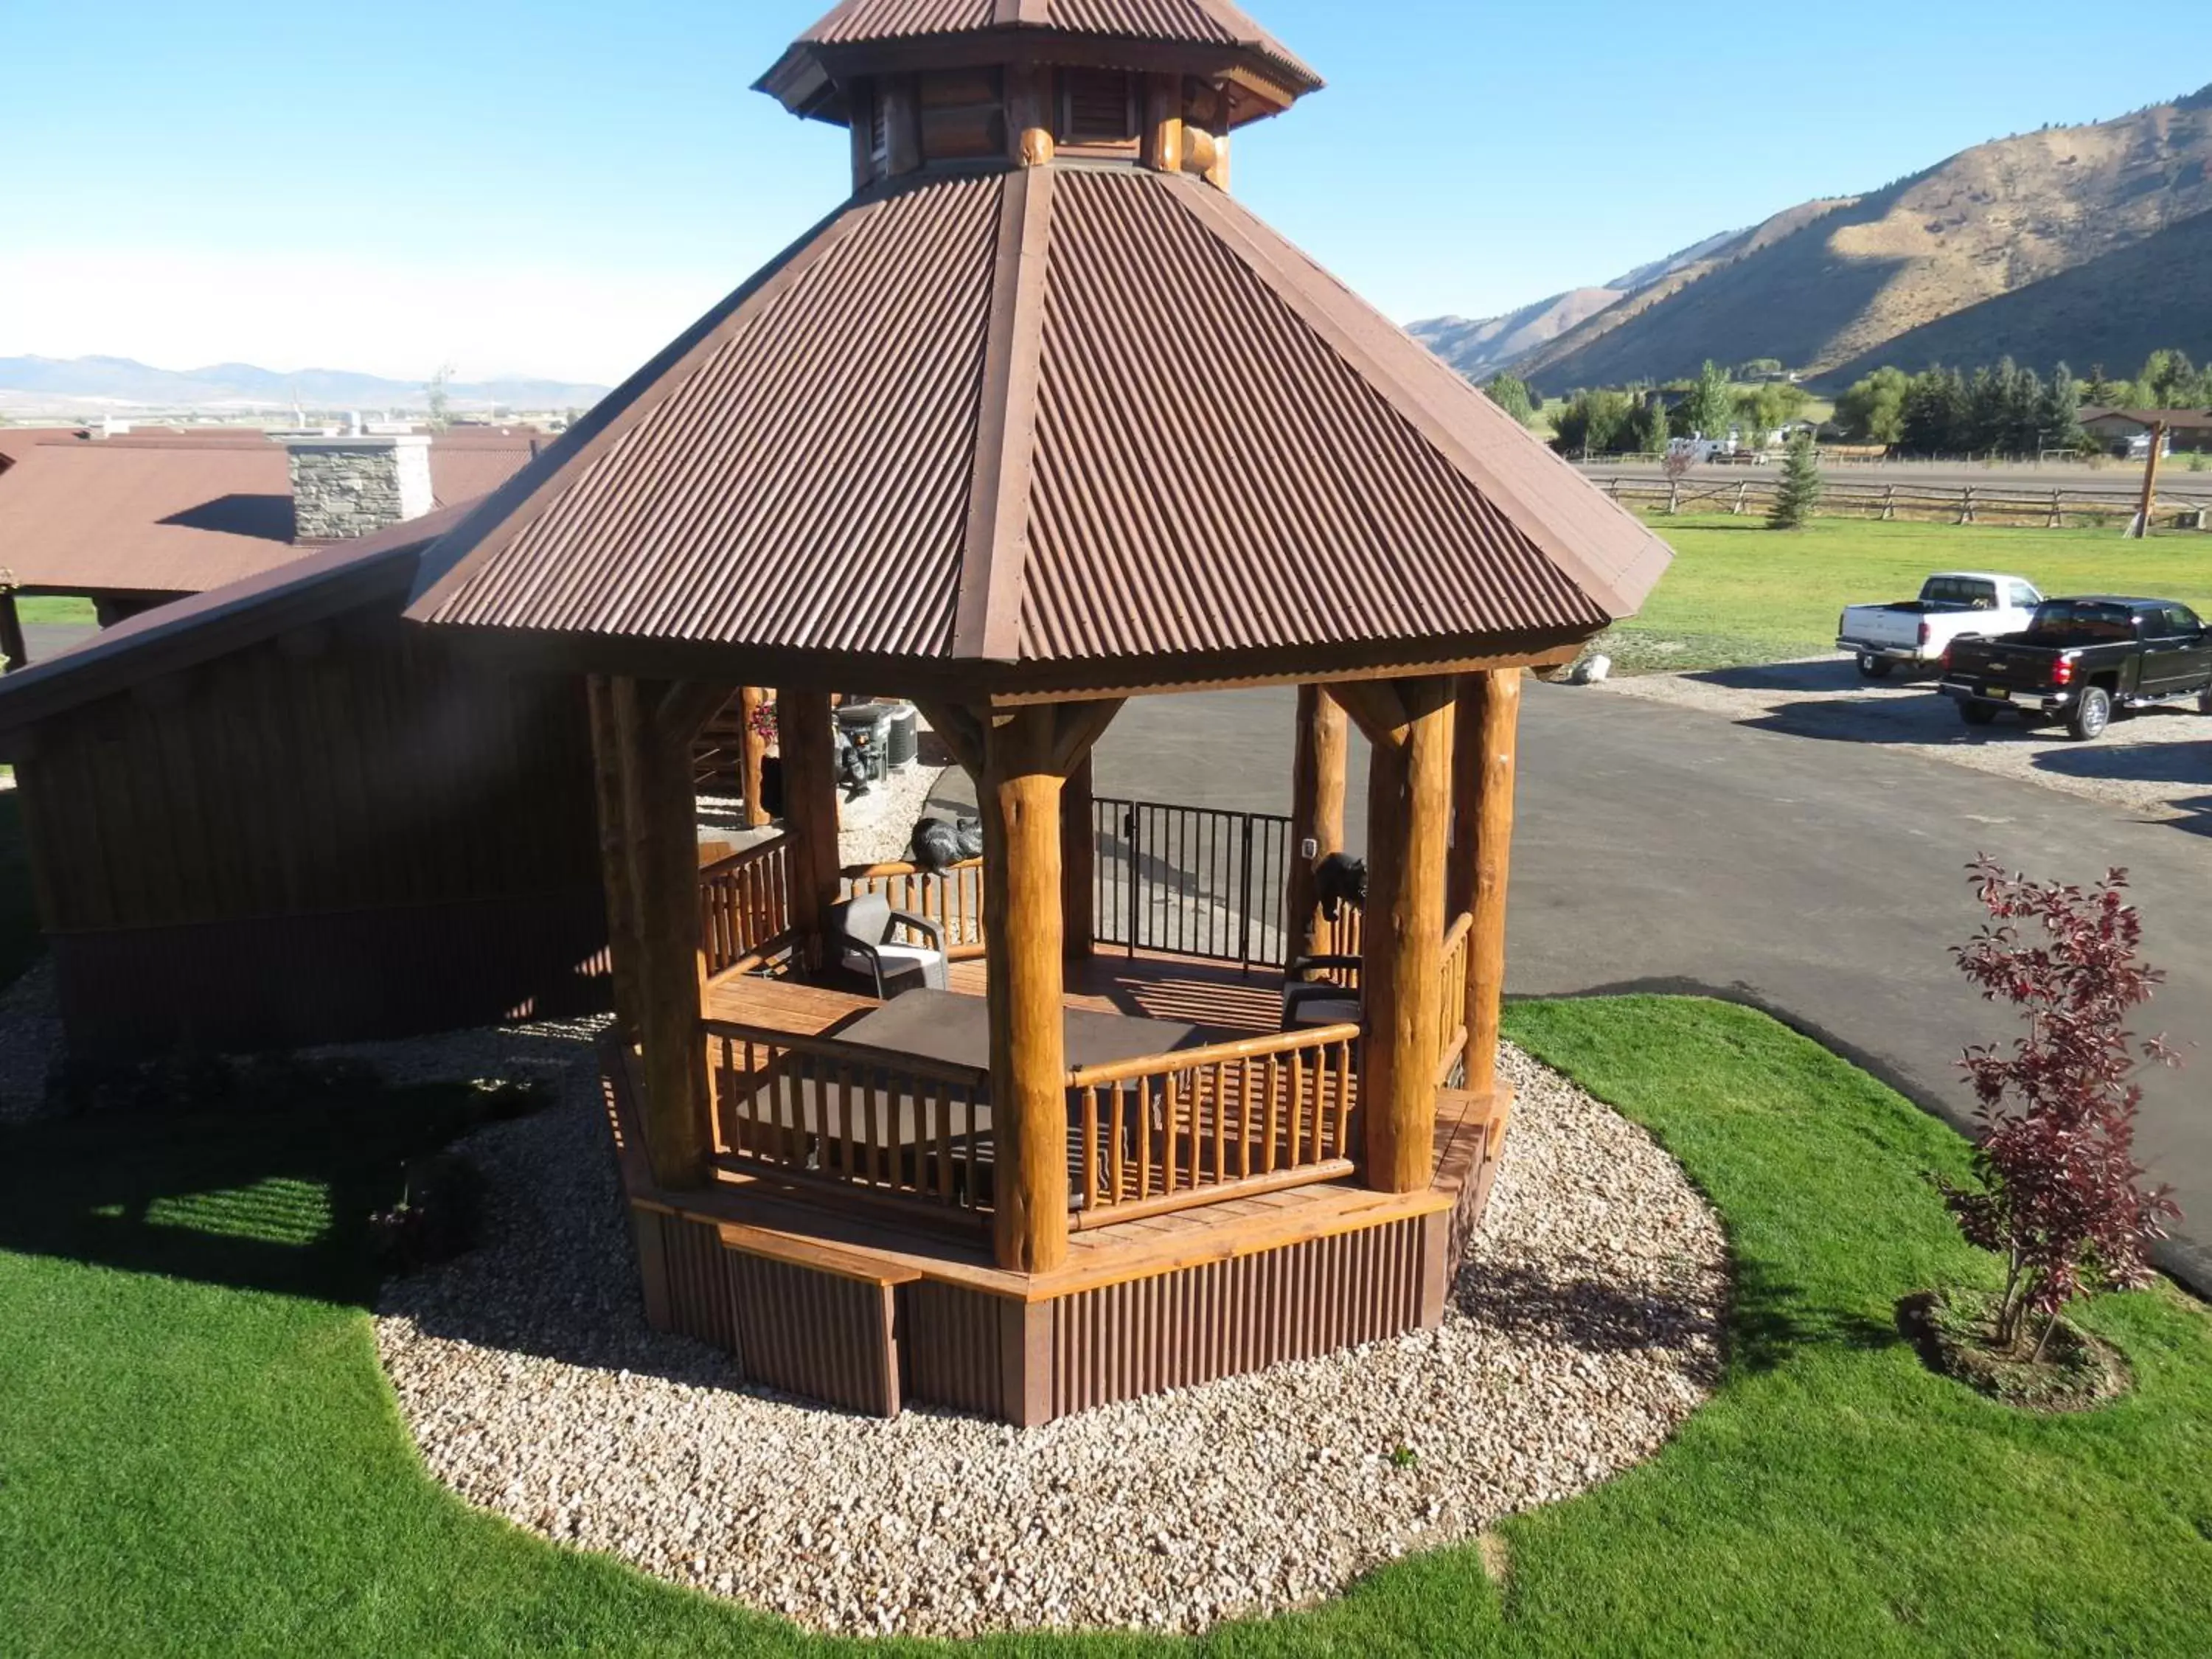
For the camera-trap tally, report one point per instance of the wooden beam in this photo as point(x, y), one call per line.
point(961, 729)
point(660, 813)
point(622, 943)
point(1317, 787)
point(810, 809)
point(1163, 133)
point(1376, 706)
point(1408, 805)
point(860, 104)
point(1486, 770)
point(1078, 728)
point(1024, 933)
point(687, 705)
point(752, 750)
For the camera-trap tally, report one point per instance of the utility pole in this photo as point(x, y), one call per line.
point(2150, 480)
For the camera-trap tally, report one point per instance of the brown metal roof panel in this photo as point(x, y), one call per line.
point(1611, 553)
point(803, 484)
point(115, 517)
point(1212, 476)
point(1199, 22)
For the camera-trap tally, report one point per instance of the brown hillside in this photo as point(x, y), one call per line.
point(2114, 313)
point(1847, 279)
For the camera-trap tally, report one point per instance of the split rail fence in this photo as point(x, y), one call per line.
point(2006, 504)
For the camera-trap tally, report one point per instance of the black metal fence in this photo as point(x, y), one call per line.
point(1191, 881)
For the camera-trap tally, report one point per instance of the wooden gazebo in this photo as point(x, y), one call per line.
point(1040, 421)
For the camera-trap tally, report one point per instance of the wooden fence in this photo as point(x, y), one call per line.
point(1451, 997)
point(954, 899)
point(744, 907)
point(1208, 1124)
point(2002, 504)
point(815, 1111)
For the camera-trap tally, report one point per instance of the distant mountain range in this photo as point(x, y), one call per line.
point(98, 386)
point(2083, 243)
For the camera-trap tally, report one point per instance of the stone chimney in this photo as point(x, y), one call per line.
point(350, 487)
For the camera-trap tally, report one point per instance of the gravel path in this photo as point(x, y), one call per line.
point(1587, 1326)
point(2158, 762)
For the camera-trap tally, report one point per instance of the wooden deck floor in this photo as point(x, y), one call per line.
point(1146, 986)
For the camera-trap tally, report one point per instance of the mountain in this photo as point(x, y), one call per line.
point(92, 386)
point(1480, 348)
point(1831, 283)
point(2112, 313)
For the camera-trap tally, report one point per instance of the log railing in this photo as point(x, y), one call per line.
point(744, 907)
point(1451, 997)
point(955, 898)
point(900, 1130)
point(1208, 1124)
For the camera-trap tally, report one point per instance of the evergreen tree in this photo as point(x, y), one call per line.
point(2059, 420)
point(1593, 423)
point(1651, 434)
point(1936, 413)
point(1511, 394)
point(1799, 489)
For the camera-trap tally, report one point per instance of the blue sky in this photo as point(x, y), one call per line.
point(557, 187)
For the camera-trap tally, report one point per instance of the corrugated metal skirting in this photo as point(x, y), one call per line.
point(814, 1334)
point(1231, 1318)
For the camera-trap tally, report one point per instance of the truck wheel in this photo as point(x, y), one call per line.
point(2091, 715)
point(1978, 713)
point(1872, 667)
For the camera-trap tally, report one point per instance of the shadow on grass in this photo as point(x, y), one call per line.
point(267, 1200)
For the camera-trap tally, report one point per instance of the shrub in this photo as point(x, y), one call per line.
point(2059, 1195)
point(497, 1099)
point(439, 1209)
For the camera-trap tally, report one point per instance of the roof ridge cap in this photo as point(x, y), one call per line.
point(987, 620)
point(1415, 403)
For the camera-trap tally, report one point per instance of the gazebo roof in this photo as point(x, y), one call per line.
point(1077, 426)
point(872, 36)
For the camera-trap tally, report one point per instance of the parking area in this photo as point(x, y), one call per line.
point(2157, 763)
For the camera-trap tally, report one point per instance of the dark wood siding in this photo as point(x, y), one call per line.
point(350, 832)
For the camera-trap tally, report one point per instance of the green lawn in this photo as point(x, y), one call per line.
point(198, 1454)
point(51, 609)
point(1739, 592)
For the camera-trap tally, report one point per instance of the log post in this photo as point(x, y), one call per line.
point(1078, 859)
point(752, 749)
point(810, 811)
point(1028, 115)
point(11, 632)
point(1484, 773)
point(1316, 808)
point(1020, 800)
point(1408, 807)
point(902, 101)
point(659, 807)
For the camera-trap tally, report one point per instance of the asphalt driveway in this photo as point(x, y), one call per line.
point(1668, 849)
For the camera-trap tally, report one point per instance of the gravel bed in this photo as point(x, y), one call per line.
point(30, 1042)
point(1587, 1326)
point(2158, 763)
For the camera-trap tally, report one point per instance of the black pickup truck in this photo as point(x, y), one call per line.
point(2081, 660)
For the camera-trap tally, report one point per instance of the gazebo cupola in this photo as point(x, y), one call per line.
point(923, 82)
point(1041, 420)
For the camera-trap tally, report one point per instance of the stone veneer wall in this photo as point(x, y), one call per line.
point(347, 487)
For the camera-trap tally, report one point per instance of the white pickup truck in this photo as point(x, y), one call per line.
point(1955, 605)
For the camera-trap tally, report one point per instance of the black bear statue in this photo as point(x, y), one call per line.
point(1338, 881)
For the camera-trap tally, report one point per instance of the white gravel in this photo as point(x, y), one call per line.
point(30, 1042)
point(2157, 763)
point(1587, 1326)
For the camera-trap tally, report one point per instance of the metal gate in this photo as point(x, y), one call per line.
point(1191, 881)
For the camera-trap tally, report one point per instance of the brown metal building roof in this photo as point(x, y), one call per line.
point(168, 512)
point(843, 42)
point(1045, 418)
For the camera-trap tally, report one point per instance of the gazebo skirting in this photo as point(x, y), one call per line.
point(843, 1252)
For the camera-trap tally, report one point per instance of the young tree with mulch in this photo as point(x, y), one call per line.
point(1799, 491)
point(2059, 1193)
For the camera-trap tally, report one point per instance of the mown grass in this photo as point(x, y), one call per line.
point(1739, 594)
point(55, 608)
point(199, 1454)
